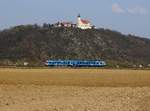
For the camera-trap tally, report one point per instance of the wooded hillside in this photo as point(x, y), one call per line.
point(35, 44)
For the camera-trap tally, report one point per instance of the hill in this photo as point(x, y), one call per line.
point(35, 44)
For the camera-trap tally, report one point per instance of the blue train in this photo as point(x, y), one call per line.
point(76, 63)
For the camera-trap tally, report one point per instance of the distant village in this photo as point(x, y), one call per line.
point(81, 23)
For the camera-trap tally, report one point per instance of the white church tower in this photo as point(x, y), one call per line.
point(83, 24)
point(78, 19)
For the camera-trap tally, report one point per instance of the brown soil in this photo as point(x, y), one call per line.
point(74, 90)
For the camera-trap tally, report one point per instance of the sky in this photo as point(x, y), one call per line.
point(126, 16)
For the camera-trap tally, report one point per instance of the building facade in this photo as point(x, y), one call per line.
point(83, 24)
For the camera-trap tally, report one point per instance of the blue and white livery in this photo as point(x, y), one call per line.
point(76, 63)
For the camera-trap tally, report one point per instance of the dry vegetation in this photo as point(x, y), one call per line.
point(74, 90)
point(76, 77)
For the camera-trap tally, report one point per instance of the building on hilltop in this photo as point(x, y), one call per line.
point(64, 24)
point(83, 24)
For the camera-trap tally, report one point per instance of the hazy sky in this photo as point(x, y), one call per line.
point(126, 16)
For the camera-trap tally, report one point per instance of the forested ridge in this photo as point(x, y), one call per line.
point(35, 44)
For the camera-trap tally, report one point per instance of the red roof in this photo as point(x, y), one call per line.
point(85, 21)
